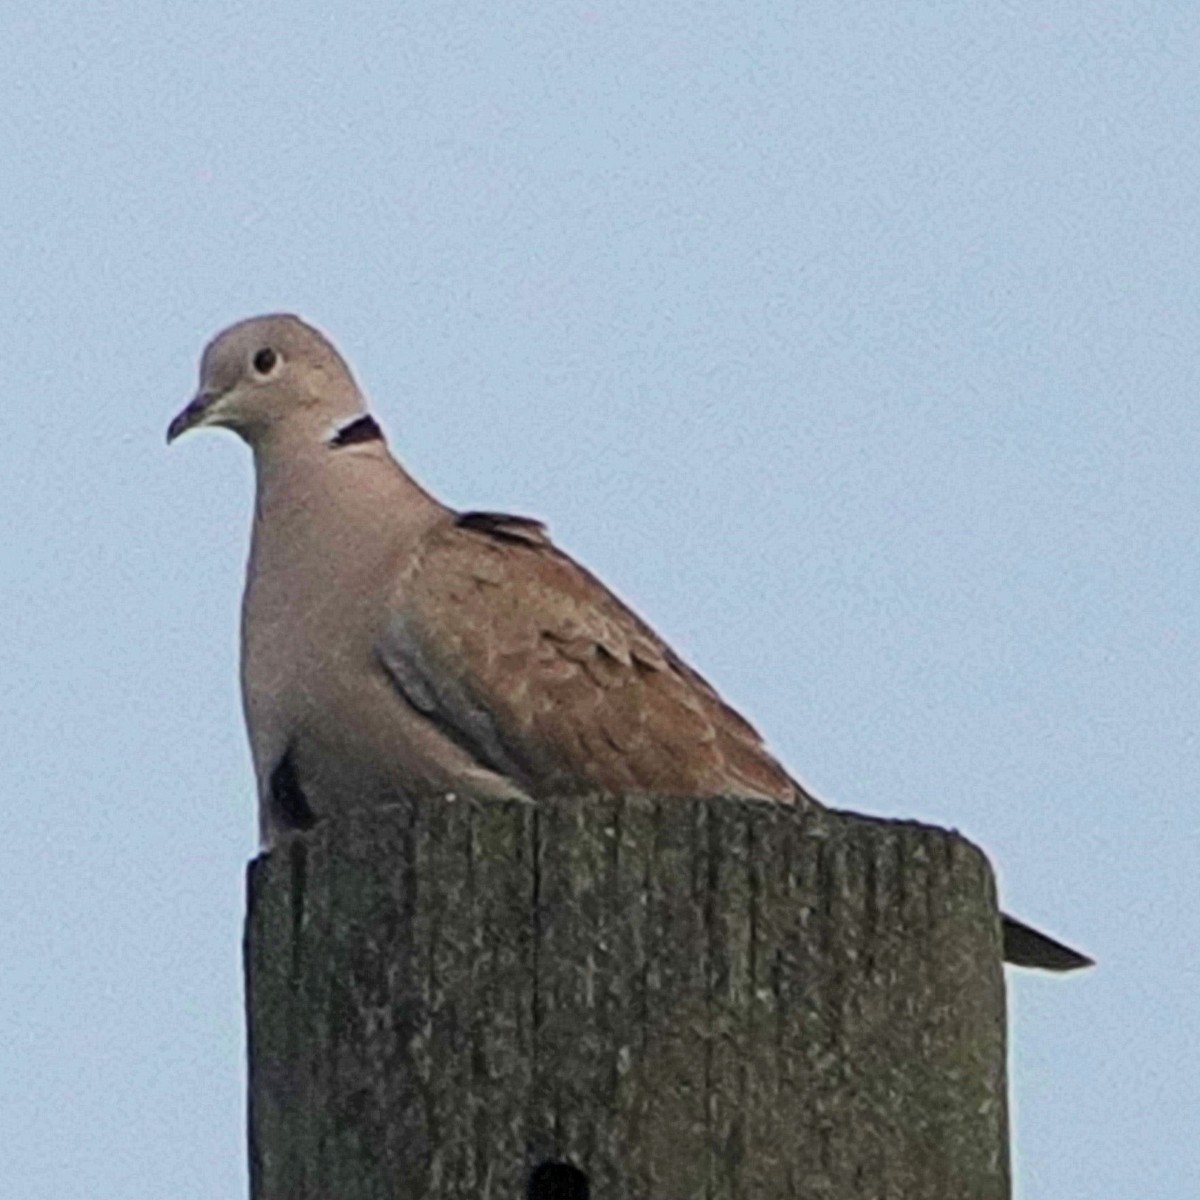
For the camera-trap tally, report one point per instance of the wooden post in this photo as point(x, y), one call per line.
point(624, 999)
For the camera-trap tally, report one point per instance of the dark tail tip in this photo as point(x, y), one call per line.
point(1024, 946)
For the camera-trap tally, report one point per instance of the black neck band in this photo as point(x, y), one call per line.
point(361, 429)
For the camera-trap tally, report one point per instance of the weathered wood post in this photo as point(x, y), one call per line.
point(628, 999)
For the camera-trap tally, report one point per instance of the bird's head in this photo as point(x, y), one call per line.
point(269, 374)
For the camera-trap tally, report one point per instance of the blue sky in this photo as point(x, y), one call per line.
point(853, 343)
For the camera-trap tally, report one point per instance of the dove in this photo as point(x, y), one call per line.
point(394, 647)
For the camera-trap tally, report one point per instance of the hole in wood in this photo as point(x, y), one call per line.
point(557, 1181)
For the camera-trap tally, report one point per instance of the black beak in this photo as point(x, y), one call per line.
point(190, 416)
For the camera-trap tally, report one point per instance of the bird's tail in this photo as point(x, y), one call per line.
point(1024, 946)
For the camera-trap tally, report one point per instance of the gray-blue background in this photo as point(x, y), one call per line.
point(854, 343)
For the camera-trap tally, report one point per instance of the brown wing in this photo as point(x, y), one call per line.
point(525, 658)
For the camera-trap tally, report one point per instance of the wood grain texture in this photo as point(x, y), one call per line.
point(719, 1000)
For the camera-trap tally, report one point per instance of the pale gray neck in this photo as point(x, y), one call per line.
point(311, 493)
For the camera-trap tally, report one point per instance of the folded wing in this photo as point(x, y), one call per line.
point(523, 657)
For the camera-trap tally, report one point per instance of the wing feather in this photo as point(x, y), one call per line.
point(525, 658)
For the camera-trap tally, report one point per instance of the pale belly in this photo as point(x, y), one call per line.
point(336, 736)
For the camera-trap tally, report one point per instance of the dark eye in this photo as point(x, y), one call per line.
point(265, 360)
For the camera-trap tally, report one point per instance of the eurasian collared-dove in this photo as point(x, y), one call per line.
point(392, 646)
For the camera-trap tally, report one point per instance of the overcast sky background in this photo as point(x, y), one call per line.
point(854, 343)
